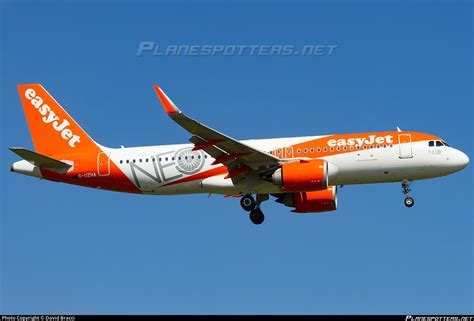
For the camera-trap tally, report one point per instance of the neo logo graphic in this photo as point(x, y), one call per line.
point(50, 117)
point(167, 166)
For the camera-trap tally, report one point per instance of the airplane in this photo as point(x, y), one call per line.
point(302, 173)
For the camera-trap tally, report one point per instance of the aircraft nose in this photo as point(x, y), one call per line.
point(461, 160)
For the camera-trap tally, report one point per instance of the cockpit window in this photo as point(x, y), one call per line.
point(446, 144)
point(438, 143)
point(431, 143)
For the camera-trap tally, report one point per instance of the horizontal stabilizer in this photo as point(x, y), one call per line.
point(38, 159)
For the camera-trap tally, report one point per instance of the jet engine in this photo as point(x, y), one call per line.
point(310, 202)
point(304, 175)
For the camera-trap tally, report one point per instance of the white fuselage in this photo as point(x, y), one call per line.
point(164, 169)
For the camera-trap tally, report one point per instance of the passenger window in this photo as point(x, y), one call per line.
point(318, 149)
point(438, 143)
point(121, 162)
point(325, 149)
point(305, 150)
point(312, 150)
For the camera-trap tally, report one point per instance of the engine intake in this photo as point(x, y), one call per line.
point(304, 175)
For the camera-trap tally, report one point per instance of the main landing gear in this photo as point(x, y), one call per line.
point(256, 216)
point(409, 201)
point(249, 204)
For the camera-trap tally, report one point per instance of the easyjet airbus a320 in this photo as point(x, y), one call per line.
point(301, 172)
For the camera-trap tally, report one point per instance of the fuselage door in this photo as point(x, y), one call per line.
point(404, 146)
point(283, 152)
point(103, 164)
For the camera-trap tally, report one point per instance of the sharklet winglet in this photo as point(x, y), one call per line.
point(168, 105)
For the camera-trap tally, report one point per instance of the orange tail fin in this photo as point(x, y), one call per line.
point(52, 130)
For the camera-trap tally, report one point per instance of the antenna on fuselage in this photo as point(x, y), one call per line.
point(398, 129)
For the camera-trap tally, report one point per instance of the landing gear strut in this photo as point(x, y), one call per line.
point(409, 201)
point(249, 204)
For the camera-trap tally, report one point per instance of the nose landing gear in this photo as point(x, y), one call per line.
point(249, 204)
point(409, 201)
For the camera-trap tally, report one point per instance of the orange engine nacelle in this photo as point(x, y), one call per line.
point(304, 175)
point(311, 202)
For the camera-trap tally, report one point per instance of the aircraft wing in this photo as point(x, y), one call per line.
point(237, 156)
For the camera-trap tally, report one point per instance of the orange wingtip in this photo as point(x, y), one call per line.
point(168, 105)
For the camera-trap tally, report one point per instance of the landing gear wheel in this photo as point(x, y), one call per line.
point(409, 201)
point(256, 216)
point(248, 203)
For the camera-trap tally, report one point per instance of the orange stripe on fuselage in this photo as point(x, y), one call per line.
point(346, 143)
